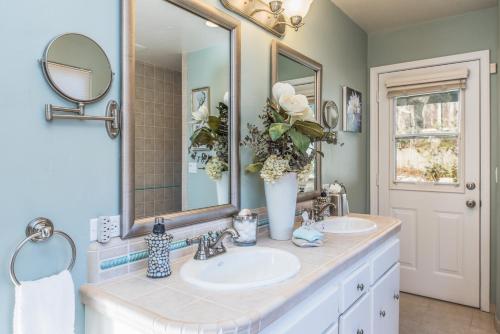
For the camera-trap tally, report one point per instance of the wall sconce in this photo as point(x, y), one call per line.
point(272, 15)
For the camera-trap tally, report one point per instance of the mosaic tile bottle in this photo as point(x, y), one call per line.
point(159, 251)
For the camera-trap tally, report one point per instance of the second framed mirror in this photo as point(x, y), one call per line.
point(305, 75)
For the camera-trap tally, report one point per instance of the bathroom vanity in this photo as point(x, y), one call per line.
point(349, 285)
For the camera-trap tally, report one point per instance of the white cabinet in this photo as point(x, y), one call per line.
point(357, 319)
point(385, 303)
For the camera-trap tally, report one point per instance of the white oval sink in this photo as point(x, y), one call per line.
point(241, 268)
point(345, 225)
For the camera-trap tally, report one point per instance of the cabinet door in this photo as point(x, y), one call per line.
point(385, 303)
point(357, 319)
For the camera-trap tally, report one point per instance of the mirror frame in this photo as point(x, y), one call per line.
point(278, 48)
point(130, 227)
point(46, 73)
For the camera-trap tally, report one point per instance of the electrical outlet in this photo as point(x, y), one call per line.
point(103, 228)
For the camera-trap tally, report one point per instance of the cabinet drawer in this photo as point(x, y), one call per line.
point(355, 285)
point(385, 303)
point(385, 259)
point(357, 319)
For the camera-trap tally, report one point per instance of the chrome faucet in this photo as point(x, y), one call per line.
point(318, 211)
point(211, 245)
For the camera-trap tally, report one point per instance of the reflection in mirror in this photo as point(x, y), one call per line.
point(182, 78)
point(304, 74)
point(77, 68)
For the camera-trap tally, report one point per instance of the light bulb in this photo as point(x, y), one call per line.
point(296, 7)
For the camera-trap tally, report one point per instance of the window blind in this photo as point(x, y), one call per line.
point(426, 83)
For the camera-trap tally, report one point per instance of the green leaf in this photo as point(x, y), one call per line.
point(311, 129)
point(276, 130)
point(277, 117)
point(300, 140)
point(213, 123)
point(254, 168)
point(201, 136)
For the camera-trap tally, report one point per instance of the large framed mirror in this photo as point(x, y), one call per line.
point(180, 100)
point(305, 75)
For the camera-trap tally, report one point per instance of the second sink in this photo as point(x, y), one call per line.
point(241, 268)
point(345, 225)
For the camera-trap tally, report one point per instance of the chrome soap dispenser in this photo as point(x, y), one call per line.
point(159, 251)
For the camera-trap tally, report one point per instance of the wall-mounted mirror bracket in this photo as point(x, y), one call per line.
point(112, 116)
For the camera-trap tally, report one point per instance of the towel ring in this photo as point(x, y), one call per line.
point(38, 230)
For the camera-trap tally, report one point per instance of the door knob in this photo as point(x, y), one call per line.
point(382, 314)
point(360, 287)
point(360, 331)
point(470, 203)
point(470, 185)
point(396, 296)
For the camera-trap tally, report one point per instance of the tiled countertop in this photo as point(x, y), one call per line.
point(171, 305)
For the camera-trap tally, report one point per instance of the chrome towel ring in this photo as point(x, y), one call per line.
point(38, 230)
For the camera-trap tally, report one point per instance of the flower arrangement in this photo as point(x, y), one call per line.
point(212, 133)
point(285, 144)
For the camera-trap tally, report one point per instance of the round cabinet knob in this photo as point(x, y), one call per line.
point(470, 185)
point(361, 287)
point(396, 296)
point(382, 314)
point(470, 203)
point(360, 331)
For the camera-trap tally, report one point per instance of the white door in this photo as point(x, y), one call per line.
point(429, 177)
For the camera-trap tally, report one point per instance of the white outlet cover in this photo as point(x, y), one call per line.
point(114, 227)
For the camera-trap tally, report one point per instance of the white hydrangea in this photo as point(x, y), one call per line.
point(274, 168)
point(305, 173)
point(214, 168)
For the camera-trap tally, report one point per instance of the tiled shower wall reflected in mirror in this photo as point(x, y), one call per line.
point(158, 130)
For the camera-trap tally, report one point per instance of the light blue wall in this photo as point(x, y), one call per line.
point(472, 31)
point(69, 171)
point(206, 68)
point(65, 170)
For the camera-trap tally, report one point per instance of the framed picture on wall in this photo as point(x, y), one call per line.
point(200, 99)
point(351, 110)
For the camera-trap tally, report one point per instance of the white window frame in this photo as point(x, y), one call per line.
point(484, 60)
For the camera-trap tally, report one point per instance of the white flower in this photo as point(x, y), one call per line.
point(214, 168)
point(308, 115)
point(201, 115)
point(304, 175)
point(354, 105)
point(274, 168)
point(294, 105)
point(280, 89)
point(226, 98)
point(335, 188)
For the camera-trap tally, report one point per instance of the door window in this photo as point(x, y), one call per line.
point(427, 138)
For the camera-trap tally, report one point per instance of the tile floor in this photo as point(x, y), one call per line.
point(420, 315)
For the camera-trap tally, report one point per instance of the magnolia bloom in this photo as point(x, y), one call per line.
point(201, 115)
point(274, 168)
point(281, 89)
point(296, 106)
point(226, 98)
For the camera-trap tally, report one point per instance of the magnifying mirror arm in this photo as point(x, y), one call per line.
point(112, 117)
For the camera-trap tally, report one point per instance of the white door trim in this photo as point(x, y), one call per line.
point(484, 59)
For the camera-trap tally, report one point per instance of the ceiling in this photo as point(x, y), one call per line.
point(164, 32)
point(378, 15)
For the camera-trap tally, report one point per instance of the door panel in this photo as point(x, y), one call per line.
point(422, 182)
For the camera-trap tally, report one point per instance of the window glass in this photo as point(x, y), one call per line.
point(427, 138)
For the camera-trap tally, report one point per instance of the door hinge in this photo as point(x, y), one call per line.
point(493, 68)
point(377, 181)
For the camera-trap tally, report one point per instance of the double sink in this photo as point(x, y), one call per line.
point(252, 267)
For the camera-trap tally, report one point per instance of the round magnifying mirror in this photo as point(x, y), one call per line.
point(77, 68)
point(330, 114)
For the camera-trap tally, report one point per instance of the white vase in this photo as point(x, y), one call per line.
point(281, 199)
point(222, 186)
